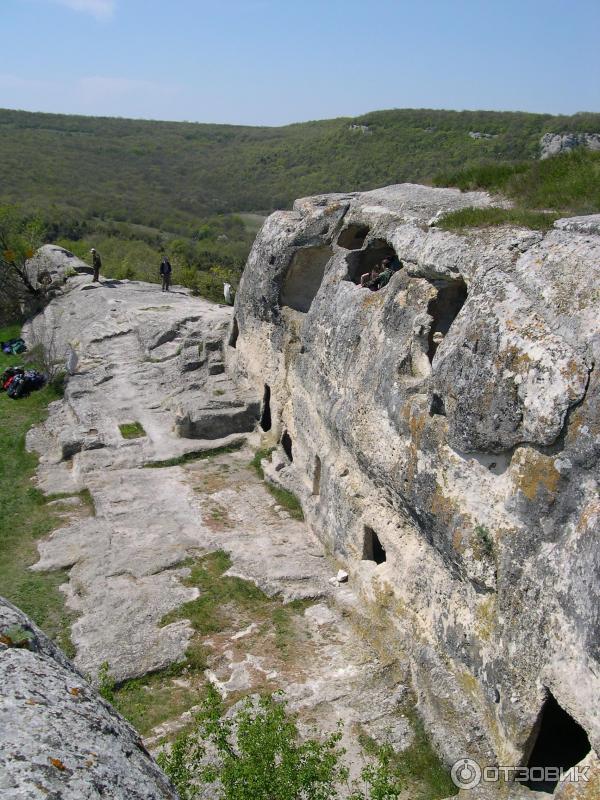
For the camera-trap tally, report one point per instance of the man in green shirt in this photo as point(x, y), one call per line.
point(96, 264)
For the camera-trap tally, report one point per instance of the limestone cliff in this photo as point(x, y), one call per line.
point(455, 475)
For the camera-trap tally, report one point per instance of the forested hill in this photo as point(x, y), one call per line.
point(168, 174)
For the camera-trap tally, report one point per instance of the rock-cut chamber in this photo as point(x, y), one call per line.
point(304, 276)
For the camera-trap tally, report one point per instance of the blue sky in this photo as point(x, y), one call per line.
point(278, 61)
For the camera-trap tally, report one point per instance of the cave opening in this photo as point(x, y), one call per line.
point(437, 407)
point(286, 443)
point(444, 308)
point(362, 261)
point(373, 550)
point(265, 417)
point(353, 237)
point(560, 743)
point(304, 277)
point(317, 476)
point(235, 332)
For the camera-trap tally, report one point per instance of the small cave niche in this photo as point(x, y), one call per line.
point(373, 550)
point(286, 443)
point(444, 308)
point(437, 407)
point(235, 332)
point(363, 261)
point(353, 237)
point(560, 742)
point(304, 276)
point(265, 416)
point(316, 487)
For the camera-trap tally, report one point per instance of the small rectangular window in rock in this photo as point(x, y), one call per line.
point(373, 550)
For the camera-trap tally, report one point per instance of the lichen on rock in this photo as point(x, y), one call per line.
point(454, 413)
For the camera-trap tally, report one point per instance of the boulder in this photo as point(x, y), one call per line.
point(58, 737)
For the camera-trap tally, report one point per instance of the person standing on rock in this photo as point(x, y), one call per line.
point(165, 272)
point(96, 264)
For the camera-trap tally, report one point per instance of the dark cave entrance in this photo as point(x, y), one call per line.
point(444, 308)
point(363, 261)
point(373, 550)
point(437, 407)
point(353, 237)
point(265, 417)
point(235, 332)
point(304, 277)
point(317, 476)
point(286, 443)
point(561, 742)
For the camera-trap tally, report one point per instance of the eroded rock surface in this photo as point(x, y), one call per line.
point(552, 144)
point(443, 435)
point(58, 738)
point(161, 361)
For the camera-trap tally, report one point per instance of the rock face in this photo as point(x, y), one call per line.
point(58, 738)
point(443, 435)
point(155, 359)
point(552, 144)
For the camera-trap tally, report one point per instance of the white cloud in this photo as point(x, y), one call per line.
point(101, 9)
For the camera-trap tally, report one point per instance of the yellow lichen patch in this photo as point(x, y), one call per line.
point(415, 421)
point(372, 299)
point(469, 683)
point(442, 506)
point(582, 790)
point(485, 616)
point(458, 540)
point(588, 516)
point(537, 473)
point(515, 359)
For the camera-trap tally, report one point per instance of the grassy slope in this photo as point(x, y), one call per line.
point(166, 174)
point(24, 513)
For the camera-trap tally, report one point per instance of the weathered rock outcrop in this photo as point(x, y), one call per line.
point(456, 474)
point(58, 738)
point(552, 144)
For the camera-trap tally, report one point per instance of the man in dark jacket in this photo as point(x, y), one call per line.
point(96, 264)
point(165, 272)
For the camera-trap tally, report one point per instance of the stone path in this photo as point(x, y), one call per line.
point(141, 360)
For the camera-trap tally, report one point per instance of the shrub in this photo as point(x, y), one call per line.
point(258, 755)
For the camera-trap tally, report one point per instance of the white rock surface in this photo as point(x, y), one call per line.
point(473, 460)
point(58, 738)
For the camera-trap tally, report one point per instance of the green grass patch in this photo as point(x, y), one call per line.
point(282, 619)
point(230, 602)
point(132, 430)
point(259, 456)
point(225, 603)
point(196, 456)
point(419, 765)
point(568, 183)
point(487, 217)
point(24, 514)
point(84, 494)
point(286, 499)
point(152, 699)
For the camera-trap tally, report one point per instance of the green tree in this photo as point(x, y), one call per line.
point(258, 755)
point(19, 239)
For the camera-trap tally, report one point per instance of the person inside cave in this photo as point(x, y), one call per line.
point(389, 266)
point(368, 277)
